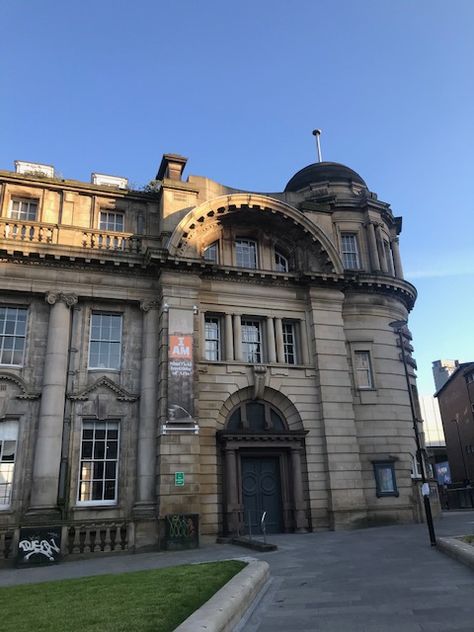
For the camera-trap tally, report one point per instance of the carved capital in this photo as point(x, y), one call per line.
point(149, 304)
point(68, 299)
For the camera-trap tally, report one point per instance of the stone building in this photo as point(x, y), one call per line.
point(194, 348)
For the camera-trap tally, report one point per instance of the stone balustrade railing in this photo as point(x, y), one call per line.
point(28, 231)
point(42, 233)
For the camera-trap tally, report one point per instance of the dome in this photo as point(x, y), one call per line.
point(323, 172)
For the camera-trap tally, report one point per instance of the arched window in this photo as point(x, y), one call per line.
point(256, 417)
point(281, 262)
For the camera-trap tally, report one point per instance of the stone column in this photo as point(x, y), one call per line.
point(300, 513)
point(238, 338)
point(45, 480)
point(374, 255)
point(397, 262)
point(383, 259)
point(305, 359)
point(280, 348)
point(232, 509)
point(147, 425)
point(271, 339)
point(229, 341)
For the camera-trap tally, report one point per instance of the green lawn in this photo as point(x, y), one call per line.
point(154, 601)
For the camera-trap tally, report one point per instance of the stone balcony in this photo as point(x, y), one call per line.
point(27, 238)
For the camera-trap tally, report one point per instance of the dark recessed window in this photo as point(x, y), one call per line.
point(385, 481)
point(281, 262)
point(256, 417)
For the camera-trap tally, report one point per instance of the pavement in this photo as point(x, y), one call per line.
point(384, 579)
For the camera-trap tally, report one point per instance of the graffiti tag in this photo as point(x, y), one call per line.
point(40, 547)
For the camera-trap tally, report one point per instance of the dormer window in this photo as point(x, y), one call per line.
point(246, 253)
point(111, 221)
point(211, 253)
point(281, 262)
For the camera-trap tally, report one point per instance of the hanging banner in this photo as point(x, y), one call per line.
point(180, 378)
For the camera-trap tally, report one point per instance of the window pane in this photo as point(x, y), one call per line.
point(105, 341)
point(211, 252)
point(363, 369)
point(246, 253)
point(350, 254)
point(98, 462)
point(12, 335)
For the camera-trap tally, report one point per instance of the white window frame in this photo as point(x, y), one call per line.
point(350, 250)
point(4, 336)
point(104, 341)
point(211, 252)
point(290, 339)
point(250, 356)
point(246, 252)
point(8, 434)
point(360, 370)
point(209, 341)
point(94, 424)
point(108, 221)
point(281, 262)
point(25, 209)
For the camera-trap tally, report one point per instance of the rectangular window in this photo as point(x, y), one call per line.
point(24, 209)
point(363, 369)
point(252, 340)
point(111, 221)
point(105, 341)
point(246, 253)
point(350, 251)
point(12, 335)
point(211, 253)
point(385, 481)
point(98, 474)
point(289, 342)
point(281, 262)
point(8, 439)
point(212, 350)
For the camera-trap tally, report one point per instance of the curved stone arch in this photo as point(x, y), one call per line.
point(21, 384)
point(223, 205)
point(280, 402)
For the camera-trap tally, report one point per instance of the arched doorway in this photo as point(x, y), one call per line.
point(262, 470)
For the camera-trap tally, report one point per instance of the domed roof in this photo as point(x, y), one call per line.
point(323, 172)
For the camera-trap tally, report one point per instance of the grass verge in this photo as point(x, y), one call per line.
point(144, 601)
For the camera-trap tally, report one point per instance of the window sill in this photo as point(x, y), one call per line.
point(385, 494)
point(99, 370)
point(95, 505)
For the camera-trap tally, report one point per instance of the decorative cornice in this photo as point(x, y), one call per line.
point(18, 381)
point(122, 394)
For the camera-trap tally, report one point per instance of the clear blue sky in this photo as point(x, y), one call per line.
point(237, 86)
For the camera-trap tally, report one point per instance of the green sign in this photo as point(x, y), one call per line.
point(179, 479)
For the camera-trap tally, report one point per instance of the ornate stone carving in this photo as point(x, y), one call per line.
point(121, 393)
point(68, 299)
point(148, 304)
point(25, 393)
point(259, 376)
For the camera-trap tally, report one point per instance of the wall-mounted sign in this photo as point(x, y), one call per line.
point(179, 479)
point(39, 545)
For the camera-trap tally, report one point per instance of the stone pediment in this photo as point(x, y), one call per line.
point(104, 382)
point(25, 393)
